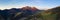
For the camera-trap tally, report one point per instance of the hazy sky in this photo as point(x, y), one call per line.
point(40, 4)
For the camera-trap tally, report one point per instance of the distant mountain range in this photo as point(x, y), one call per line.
point(15, 14)
point(29, 13)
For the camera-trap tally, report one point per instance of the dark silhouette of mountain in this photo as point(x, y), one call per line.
point(9, 14)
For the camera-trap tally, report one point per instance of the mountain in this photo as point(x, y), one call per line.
point(51, 14)
point(18, 13)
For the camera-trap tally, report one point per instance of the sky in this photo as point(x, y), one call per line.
point(40, 4)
